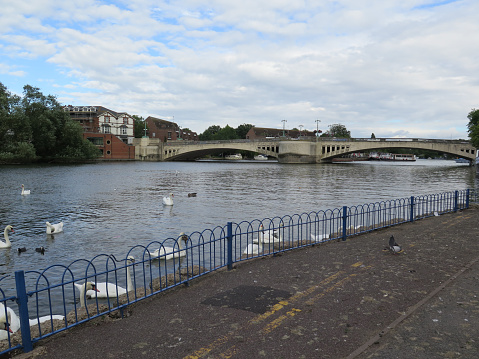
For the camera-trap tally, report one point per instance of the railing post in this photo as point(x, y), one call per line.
point(345, 221)
point(22, 301)
point(411, 218)
point(456, 195)
point(467, 198)
point(229, 243)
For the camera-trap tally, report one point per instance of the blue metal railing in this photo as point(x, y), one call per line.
point(60, 302)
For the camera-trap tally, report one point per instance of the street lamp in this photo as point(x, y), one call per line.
point(317, 128)
point(300, 129)
point(284, 123)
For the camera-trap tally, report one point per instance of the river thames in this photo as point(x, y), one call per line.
point(111, 207)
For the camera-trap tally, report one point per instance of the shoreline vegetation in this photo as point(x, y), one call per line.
point(35, 129)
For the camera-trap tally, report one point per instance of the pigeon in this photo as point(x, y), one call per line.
point(393, 246)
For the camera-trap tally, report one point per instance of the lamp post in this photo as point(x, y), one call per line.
point(317, 128)
point(145, 130)
point(300, 129)
point(284, 123)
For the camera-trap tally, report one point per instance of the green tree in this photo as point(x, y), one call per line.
point(139, 127)
point(372, 135)
point(226, 133)
point(209, 133)
point(337, 130)
point(36, 127)
point(242, 130)
point(473, 127)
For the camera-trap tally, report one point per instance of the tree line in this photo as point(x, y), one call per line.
point(35, 128)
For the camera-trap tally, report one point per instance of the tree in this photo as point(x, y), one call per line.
point(337, 130)
point(242, 130)
point(36, 127)
point(139, 127)
point(473, 127)
point(372, 135)
point(209, 133)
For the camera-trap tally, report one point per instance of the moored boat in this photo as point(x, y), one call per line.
point(236, 156)
point(261, 157)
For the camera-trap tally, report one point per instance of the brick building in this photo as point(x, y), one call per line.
point(112, 132)
point(167, 130)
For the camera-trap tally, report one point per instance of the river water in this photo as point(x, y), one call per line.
point(111, 207)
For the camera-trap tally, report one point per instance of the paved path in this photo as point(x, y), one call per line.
point(347, 299)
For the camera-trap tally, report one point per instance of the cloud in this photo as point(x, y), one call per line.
point(395, 68)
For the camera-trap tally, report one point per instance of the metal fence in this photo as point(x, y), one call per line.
point(61, 297)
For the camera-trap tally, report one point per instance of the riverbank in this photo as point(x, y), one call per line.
point(342, 299)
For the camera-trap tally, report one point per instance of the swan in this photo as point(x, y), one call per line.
point(84, 288)
point(171, 252)
point(168, 201)
point(7, 243)
point(271, 236)
point(14, 321)
point(106, 289)
point(257, 246)
point(54, 228)
point(25, 191)
point(393, 246)
point(319, 237)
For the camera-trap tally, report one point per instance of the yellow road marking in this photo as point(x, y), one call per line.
point(275, 323)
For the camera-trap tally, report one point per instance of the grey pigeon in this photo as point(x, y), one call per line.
point(393, 246)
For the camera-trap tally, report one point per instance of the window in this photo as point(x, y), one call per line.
point(169, 135)
point(123, 130)
point(106, 128)
point(107, 119)
point(125, 120)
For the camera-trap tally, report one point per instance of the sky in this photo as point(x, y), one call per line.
point(395, 68)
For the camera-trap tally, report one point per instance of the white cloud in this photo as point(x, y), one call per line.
point(358, 63)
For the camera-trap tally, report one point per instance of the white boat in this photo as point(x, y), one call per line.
point(462, 160)
point(261, 157)
point(392, 156)
point(236, 156)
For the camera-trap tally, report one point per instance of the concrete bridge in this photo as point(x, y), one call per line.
point(320, 150)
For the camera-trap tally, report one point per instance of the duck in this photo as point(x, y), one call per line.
point(54, 228)
point(21, 250)
point(25, 191)
point(256, 247)
point(165, 253)
point(40, 250)
point(393, 246)
point(110, 290)
point(192, 194)
point(84, 288)
point(168, 201)
point(7, 243)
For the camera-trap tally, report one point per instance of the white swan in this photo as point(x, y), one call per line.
point(168, 201)
point(25, 191)
point(54, 228)
point(14, 320)
point(85, 288)
point(319, 237)
point(257, 246)
point(271, 235)
point(166, 253)
point(107, 289)
point(7, 243)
